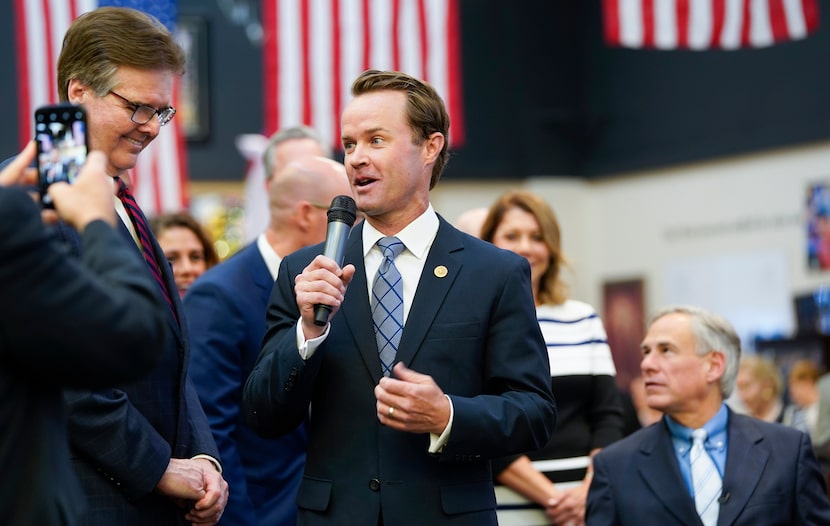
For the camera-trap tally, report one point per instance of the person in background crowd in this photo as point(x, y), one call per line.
point(407, 405)
point(802, 385)
point(186, 246)
point(226, 310)
point(106, 295)
point(760, 388)
point(703, 463)
point(290, 144)
point(550, 485)
point(143, 450)
point(471, 220)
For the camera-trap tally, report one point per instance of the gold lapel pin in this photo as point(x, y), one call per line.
point(440, 271)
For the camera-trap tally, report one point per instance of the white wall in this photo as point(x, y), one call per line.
point(728, 234)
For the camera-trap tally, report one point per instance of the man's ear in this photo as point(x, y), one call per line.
point(433, 146)
point(716, 361)
point(77, 92)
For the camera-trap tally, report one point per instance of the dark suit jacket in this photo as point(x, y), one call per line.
point(473, 329)
point(771, 478)
point(122, 439)
point(63, 323)
point(225, 309)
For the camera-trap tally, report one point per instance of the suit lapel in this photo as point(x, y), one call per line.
point(745, 462)
point(442, 266)
point(659, 470)
point(356, 310)
point(167, 276)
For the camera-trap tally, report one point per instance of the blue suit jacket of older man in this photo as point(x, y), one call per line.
point(226, 312)
point(771, 478)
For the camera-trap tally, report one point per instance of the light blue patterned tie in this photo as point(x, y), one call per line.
point(387, 303)
point(705, 480)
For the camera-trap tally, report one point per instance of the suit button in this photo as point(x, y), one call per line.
point(374, 485)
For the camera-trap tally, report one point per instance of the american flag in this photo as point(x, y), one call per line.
point(707, 24)
point(314, 49)
point(160, 177)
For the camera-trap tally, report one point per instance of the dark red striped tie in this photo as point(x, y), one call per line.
point(142, 230)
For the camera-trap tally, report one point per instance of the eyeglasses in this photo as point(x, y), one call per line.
point(143, 113)
point(318, 205)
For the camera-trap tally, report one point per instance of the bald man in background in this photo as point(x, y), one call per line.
point(225, 308)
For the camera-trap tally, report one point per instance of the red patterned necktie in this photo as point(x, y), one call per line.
point(142, 230)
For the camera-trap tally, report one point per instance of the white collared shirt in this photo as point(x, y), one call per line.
point(272, 259)
point(417, 237)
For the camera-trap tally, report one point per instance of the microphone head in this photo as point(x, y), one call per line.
point(342, 209)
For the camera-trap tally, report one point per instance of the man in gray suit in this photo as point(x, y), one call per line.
point(755, 472)
point(411, 443)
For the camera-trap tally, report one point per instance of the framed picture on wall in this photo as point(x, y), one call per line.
point(624, 318)
point(818, 226)
point(194, 93)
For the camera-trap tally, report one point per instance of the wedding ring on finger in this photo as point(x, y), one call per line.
point(390, 412)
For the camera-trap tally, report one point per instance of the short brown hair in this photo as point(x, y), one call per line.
point(100, 41)
point(553, 289)
point(425, 110)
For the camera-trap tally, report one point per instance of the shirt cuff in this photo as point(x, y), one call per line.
point(213, 461)
point(437, 442)
point(307, 347)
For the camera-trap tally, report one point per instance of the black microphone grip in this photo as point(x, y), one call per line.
point(342, 214)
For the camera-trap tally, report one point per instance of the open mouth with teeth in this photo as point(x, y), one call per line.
point(363, 181)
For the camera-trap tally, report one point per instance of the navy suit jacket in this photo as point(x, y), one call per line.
point(771, 478)
point(473, 329)
point(59, 321)
point(225, 309)
point(122, 439)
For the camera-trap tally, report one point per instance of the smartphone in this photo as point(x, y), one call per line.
point(62, 145)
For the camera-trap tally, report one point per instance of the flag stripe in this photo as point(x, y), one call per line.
point(315, 48)
point(160, 176)
point(705, 24)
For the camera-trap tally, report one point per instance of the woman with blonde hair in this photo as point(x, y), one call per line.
point(551, 485)
point(760, 388)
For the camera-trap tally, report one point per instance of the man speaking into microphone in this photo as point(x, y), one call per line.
point(431, 361)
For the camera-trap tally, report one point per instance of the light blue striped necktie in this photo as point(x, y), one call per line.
point(387, 303)
point(706, 480)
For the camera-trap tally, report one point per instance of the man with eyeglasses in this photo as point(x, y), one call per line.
point(143, 451)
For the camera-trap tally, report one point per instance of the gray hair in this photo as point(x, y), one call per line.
point(288, 134)
point(712, 333)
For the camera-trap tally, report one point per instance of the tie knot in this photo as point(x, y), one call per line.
point(390, 246)
point(699, 436)
point(122, 188)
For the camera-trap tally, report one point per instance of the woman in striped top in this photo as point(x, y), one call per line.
point(550, 486)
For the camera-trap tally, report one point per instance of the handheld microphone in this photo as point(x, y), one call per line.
point(342, 214)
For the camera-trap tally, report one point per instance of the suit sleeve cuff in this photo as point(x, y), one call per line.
point(212, 460)
point(437, 442)
point(307, 347)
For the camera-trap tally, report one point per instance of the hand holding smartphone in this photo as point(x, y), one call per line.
point(62, 145)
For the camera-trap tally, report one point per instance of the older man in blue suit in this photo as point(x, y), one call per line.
point(226, 312)
point(740, 471)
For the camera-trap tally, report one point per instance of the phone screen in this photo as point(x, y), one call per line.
point(61, 136)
